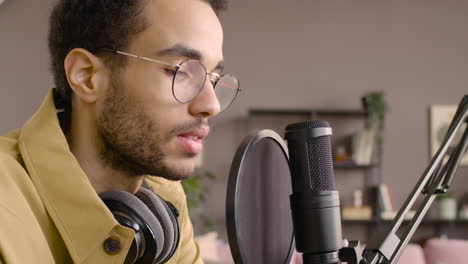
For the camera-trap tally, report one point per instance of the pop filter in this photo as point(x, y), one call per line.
point(258, 213)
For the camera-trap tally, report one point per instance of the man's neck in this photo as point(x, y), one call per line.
point(84, 144)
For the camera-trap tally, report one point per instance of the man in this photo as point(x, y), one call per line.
point(136, 81)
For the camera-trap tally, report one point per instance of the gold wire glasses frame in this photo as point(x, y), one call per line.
point(226, 86)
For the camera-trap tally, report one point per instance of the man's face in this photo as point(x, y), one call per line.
point(143, 128)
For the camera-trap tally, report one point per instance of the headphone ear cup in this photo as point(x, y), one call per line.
point(126, 205)
point(163, 211)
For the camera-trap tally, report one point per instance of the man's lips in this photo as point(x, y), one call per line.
point(191, 141)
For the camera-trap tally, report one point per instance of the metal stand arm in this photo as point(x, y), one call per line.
point(386, 247)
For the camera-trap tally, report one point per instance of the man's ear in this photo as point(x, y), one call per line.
point(83, 70)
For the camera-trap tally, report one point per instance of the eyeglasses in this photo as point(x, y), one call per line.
point(189, 78)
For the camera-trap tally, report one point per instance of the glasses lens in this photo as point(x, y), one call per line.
point(188, 80)
point(226, 90)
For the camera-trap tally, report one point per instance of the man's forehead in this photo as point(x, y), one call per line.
point(185, 28)
point(179, 10)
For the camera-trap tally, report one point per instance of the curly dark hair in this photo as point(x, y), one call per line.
point(93, 25)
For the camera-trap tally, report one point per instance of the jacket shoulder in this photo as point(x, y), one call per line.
point(19, 204)
point(16, 187)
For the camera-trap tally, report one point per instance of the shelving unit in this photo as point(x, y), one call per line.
point(439, 226)
point(350, 166)
point(430, 221)
point(309, 112)
point(367, 227)
point(312, 114)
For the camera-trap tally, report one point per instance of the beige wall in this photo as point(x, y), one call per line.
point(295, 54)
point(24, 74)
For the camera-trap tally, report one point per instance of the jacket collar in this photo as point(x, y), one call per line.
point(80, 216)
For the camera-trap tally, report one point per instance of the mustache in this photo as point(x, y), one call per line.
point(199, 122)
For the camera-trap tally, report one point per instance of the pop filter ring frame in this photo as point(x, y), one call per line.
point(232, 196)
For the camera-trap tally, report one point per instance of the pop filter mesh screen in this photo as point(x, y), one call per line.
point(265, 223)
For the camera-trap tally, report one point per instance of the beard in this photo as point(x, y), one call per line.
point(131, 140)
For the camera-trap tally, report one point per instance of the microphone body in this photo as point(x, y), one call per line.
point(315, 203)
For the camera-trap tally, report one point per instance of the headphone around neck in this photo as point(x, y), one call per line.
point(153, 219)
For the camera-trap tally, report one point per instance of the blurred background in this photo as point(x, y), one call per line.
point(320, 54)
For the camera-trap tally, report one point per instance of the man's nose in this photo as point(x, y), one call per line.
point(206, 103)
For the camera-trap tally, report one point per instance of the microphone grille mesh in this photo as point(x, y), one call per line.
point(319, 154)
point(321, 164)
point(308, 124)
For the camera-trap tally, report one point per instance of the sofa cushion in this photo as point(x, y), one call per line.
point(446, 251)
point(412, 254)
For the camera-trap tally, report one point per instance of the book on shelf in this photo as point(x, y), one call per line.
point(381, 199)
point(385, 195)
point(362, 146)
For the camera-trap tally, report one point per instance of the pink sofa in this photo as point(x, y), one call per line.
point(436, 251)
point(413, 254)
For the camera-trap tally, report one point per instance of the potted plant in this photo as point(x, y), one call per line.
point(374, 104)
point(195, 191)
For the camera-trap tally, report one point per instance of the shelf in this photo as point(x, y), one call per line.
point(424, 221)
point(363, 222)
point(352, 166)
point(308, 112)
point(443, 221)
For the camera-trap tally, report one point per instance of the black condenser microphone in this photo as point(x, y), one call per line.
point(315, 204)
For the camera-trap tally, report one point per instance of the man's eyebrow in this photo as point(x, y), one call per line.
point(180, 50)
point(183, 51)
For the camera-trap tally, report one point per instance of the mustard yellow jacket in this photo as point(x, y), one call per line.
point(50, 213)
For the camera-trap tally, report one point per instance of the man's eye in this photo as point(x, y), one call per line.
point(182, 75)
point(170, 71)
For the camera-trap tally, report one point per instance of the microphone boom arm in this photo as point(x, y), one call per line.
point(386, 247)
